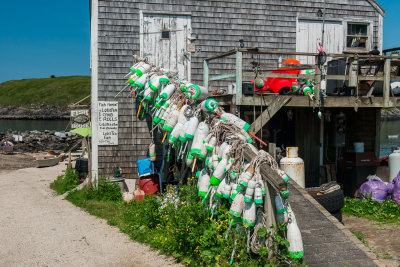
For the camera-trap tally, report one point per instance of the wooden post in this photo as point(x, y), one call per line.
point(239, 79)
point(317, 93)
point(272, 150)
point(386, 82)
point(205, 74)
point(353, 74)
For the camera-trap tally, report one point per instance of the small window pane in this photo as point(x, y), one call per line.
point(165, 35)
point(358, 42)
point(357, 29)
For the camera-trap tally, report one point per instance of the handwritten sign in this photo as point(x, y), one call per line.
point(80, 118)
point(108, 123)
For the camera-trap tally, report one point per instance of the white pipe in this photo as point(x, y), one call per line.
point(94, 90)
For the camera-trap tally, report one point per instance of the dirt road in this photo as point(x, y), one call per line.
point(39, 228)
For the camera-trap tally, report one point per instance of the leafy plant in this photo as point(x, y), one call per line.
point(65, 182)
point(385, 212)
point(177, 223)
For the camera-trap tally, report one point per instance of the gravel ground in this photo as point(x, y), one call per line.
point(40, 228)
point(17, 161)
point(383, 239)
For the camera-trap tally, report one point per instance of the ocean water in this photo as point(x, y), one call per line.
point(39, 125)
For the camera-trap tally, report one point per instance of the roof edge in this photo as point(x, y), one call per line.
point(377, 6)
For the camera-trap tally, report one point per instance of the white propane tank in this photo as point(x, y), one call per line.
point(198, 140)
point(293, 166)
point(394, 164)
point(168, 90)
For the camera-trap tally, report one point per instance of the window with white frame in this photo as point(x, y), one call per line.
point(357, 36)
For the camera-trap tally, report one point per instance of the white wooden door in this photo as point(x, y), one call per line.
point(164, 39)
point(309, 33)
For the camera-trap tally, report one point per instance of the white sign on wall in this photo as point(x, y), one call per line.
point(108, 123)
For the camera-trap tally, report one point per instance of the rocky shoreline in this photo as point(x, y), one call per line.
point(34, 112)
point(37, 141)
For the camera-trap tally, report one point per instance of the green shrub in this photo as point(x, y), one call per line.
point(65, 182)
point(386, 212)
point(178, 224)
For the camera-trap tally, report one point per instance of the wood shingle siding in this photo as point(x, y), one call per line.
point(267, 24)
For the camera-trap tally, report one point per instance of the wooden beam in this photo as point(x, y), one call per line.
point(205, 74)
point(329, 102)
point(267, 172)
point(268, 113)
point(223, 76)
point(386, 83)
point(230, 52)
point(239, 79)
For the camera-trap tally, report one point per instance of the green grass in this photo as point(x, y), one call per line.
point(181, 228)
point(384, 212)
point(60, 91)
point(65, 182)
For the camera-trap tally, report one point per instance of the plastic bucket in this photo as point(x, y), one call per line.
point(358, 147)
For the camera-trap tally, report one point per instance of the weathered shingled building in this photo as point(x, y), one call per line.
point(180, 34)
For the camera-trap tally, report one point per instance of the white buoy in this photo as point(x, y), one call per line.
point(219, 172)
point(220, 188)
point(141, 82)
point(204, 183)
point(246, 176)
point(258, 196)
point(198, 140)
point(191, 127)
point(196, 92)
point(294, 237)
point(215, 161)
point(249, 214)
point(234, 191)
point(237, 205)
point(227, 190)
point(209, 105)
point(152, 152)
point(168, 90)
point(221, 149)
point(154, 82)
point(250, 191)
point(171, 120)
point(229, 117)
point(211, 143)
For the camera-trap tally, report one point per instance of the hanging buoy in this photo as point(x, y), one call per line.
point(294, 237)
point(250, 191)
point(246, 176)
point(249, 214)
point(280, 210)
point(221, 149)
point(134, 67)
point(209, 104)
point(234, 191)
point(183, 86)
point(140, 83)
point(182, 136)
point(154, 83)
point(227, 190)
point(163, 80)
point(237, 205)
point(258, 196)
point(168, 90)
point(198, 140)
point(241, 124)
point(211, 143)
point(196, 92)
point(189, 160)
point(219, 172)
point(215, 161)
point(152, 152)
point(191, 127)
point(204, 183)
point(220, 188)
point(171, 121)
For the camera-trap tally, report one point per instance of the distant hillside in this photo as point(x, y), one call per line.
point(60, 91)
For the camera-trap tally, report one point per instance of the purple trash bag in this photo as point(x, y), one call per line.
point(395, 194)
point(376, 187)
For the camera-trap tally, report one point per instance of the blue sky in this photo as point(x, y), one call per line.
point(42, 38)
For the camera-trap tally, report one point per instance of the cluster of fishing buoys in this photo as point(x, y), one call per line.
point(209, 140)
